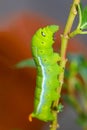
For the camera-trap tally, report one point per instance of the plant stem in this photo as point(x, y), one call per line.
point(64, 41)
point(76, 32)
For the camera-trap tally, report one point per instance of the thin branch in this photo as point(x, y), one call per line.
point(64, 41)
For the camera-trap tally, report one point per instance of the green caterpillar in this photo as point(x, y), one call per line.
point(47, 73)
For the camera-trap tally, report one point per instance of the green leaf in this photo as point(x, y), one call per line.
point(83, 71)
point(75, 63)
point(25, 63)
point(75, 58)
point(82, 17)
point(77, 66)
point(80, 14)
point(73, 68)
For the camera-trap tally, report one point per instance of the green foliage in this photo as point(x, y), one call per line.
point(82, 17)
point(83, 71)
point(78, 65)
point(25, 63)
point(76, 76)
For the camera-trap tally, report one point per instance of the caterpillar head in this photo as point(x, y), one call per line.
point(44, 37)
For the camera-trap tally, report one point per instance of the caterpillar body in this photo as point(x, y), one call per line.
point(47, 72)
